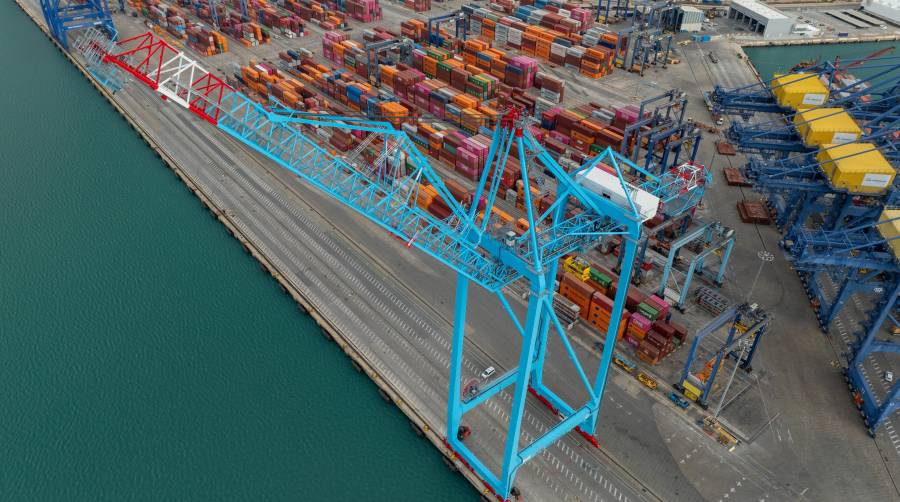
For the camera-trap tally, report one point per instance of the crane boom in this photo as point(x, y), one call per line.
point(591, 202)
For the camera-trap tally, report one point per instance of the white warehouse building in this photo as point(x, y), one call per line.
point(761, 18)
point(887, 9)
point(690, 18)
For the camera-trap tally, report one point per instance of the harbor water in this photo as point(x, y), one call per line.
point(780, 59)
point(143, 355)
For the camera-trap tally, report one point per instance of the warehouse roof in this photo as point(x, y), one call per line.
point(759, 9)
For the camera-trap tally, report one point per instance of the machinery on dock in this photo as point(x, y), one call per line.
point(63, 16)
point(836, 264)
point(460, 20)
point(827, 158)
point(746, 324)
point(824, 84)
point(662, 130)
point(591, 202)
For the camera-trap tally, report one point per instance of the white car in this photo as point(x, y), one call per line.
point(490, 370)
point(889, 376)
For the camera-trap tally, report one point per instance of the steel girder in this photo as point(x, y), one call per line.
point(385, 190)
point(63, 16)
point(870, 341)
point(759, 97)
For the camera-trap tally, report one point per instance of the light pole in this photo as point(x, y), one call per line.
point(744, 343)
point(764, 257)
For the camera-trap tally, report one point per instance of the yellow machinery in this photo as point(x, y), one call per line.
point(856, 167)
point(799, 91)
point(821, 126)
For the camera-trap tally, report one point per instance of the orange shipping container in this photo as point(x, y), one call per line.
point(465, 101)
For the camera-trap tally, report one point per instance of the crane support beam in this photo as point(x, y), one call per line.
point(745, 322)
point(63, 16)
point(874, 410)
point(468, 241)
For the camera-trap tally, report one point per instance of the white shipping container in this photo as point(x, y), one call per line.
point(550, 95)
point(609, 186)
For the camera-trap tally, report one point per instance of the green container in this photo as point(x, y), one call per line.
point(601, 278)
point(439, 54)
point(648, 311)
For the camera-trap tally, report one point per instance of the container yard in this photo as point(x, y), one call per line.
point(535, 212)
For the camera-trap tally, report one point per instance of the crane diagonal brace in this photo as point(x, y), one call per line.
point(386, 192)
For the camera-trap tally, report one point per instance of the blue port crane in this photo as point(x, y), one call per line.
point(779, 135)
point(882, 320)
point(402, 47)
point(459, 18)
point(760, 98)
point(661, 125)
point(798, 188)
point(745, 323)
point(859, 260)
point(63, 16)
point(850, 260)
point(619, 9)
point(591, 203)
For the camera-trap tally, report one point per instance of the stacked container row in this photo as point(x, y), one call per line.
point(645, 323)
point(559, 47)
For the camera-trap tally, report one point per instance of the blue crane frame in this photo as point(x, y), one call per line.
point(733, 315)
point(759, 97)
point(63, 16)
point(385, 192)
point(865, 260)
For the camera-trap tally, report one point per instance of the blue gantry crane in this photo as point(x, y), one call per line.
point(798, 188)
point(662, 129)
point(850, 260)
point(859, 260)
point(882, 320)
point(882, 81)
point(468, 240)
point(399, 48)
point(780, 135)
point(746, 324)
point(459, 18)
point(63, 16)
point(619, 9)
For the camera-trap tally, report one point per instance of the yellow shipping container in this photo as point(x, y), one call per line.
point(891, 230)
point(858, 167)
point(822, 126)
point(799, 91)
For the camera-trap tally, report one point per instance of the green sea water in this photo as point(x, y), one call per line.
point(143, 355)
point(780, 59)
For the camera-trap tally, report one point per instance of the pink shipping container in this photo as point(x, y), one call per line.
point(641, 322)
